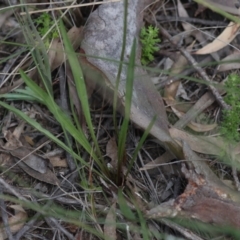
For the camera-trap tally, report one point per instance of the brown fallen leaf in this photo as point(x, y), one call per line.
point(12, 141)
point(201, 144)
point(15, 147)
point(32, 160)
point(171, 90)
point(16, 222)
point(112, 152)
point(47, 177)
point(109, 228)
point(222, 40)
point(197, 127)
point(56, 161)
point(200, 36)
point(183, 13)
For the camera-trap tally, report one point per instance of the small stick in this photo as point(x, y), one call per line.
point(203, 74)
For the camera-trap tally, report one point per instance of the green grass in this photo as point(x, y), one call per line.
point(94, 167)
point(33, 93)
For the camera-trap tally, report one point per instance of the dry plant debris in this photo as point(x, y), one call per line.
point(180, 171)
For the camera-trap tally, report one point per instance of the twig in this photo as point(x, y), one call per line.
point(191, 20)
point(53, 223)
point(235, 177)
point(202, 73)
point(69, 7)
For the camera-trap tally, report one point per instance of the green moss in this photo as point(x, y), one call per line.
point(149, 38)
point(231, 118)
point(44, 22)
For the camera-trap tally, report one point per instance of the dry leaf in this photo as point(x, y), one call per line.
point(34, 161)
point(16, 222)
point(103, 38)
point(234, 62)
point(112, 152)
point(110, 224)
point(197, 127)
point(181, 92)
point(15, 147)
point(170, 91)
point(56, 161)
point(183, 13)
point(201, 144)
point(12, 141)
point(200, 36)
point(29, 140)
point(222, 40)
point(47, 177)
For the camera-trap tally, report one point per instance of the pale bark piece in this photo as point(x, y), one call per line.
point(222, 40)
point(103, 37)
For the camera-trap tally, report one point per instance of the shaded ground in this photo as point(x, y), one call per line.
point(89, 194)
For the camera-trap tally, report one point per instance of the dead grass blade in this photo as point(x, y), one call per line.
point(110, 224)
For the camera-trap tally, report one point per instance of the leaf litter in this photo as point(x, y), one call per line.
point(174, 136)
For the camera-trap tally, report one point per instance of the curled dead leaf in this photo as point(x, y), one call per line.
point(197, 127)
point(222, 40)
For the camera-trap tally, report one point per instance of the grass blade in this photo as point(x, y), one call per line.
point(128, 101)
point(82, 93)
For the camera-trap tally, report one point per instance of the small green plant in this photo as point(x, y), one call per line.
point(44, 22)
point(231, 118)
point(149, 38)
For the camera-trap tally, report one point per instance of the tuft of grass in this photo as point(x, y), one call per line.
point(34, 93)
